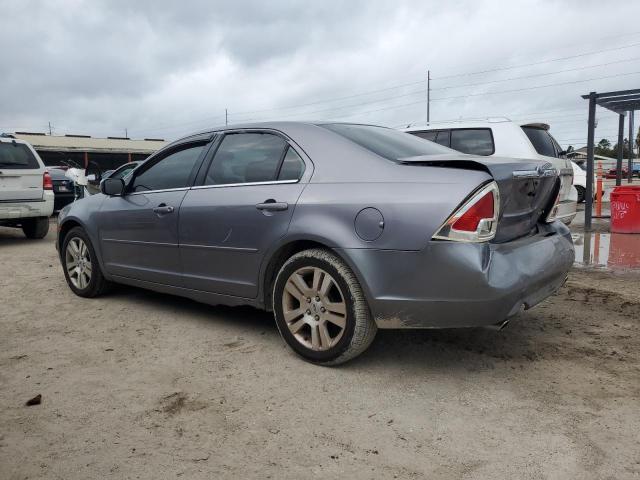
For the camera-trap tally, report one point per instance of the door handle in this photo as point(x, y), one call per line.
point(272, 206)
point(163, 209)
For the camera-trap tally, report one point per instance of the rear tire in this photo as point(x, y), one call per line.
point(320, 309)
point(80, 265)
point(35, 228)
point(581, 194)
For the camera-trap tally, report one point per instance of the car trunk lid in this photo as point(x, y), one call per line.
point(528, 188)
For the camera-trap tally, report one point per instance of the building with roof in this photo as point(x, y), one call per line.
point(107, 153)
point(580, 157)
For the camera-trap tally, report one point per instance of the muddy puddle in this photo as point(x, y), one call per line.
point(607, 250)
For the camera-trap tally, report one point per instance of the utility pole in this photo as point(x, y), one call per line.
point(428, 93)
point(226, 117)
point(49, 128)
point(632, 141)
point(126, 133)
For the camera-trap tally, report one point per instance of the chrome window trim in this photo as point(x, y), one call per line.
point(247, 184)
point(158, 191)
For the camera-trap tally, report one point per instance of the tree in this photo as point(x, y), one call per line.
point(604, 148)
point(625, 149)
point(604, 143)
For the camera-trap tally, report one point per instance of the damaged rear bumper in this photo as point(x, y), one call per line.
point(452, 284)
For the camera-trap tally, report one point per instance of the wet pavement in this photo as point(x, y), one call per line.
point(607, 250)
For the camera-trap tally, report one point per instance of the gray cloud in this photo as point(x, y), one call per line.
point(163, 68)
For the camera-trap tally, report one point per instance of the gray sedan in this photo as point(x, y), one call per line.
point(339, 229)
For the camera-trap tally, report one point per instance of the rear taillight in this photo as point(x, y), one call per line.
point(476, 220)
point(47, 184)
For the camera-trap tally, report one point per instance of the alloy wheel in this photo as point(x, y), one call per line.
point(314, 308)
point(78, 263)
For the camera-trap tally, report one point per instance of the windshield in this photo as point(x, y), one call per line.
point(386, 142)
point(15, 155)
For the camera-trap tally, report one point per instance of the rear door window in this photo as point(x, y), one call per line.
point(292, 166)
point(541, 141)
point(246, 158)
point(17, 156)
point(476, 141)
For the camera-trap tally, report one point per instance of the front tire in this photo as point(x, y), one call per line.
point(320, 309)
point(580, 194)
point(80, 264)
point(35, 228)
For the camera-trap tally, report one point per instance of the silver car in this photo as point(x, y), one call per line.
point(339, 229)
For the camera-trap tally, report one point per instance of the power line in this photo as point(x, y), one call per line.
point(538, 63)
point(335, 99)
point(535, 87)
point(233, 115)
point(166, 126)
point(536, 75)
point(353, 105)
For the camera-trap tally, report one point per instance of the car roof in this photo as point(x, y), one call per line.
point(286, 127)
point(10, 139)
point(473, 123)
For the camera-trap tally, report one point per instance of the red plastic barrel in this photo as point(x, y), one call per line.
point(625, 209)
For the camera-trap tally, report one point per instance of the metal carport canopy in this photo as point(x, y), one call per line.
point(619, 102)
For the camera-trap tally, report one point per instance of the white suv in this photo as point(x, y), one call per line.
point(26, 191)
point(504, 138)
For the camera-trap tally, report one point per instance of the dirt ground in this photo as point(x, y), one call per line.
point(142, 385)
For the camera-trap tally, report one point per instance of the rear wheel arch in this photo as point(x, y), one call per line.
point(287, 250)
point(278, 258)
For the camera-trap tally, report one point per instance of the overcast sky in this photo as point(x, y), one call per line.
point(167, 68)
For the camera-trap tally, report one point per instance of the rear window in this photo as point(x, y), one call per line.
point(386, 142)
point(541, 141)
point(17, 156)
point(476, 141)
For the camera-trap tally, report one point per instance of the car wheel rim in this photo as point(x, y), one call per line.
point(314, 308)
point(78, 263)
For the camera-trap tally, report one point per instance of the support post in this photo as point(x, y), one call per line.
point(226, 117)
point(428, 95)
point(620, 148)
point(86, 159)
point(129, 157)
point(588, 209)
point(631, 141)
point(599, 194)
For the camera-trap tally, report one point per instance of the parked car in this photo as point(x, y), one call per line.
point(64, 188)
point(612, 173)
point(26, 191)
point(579, 181)
point(340, 229)
point(504, 138)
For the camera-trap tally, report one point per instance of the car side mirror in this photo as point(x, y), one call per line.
point(112, 186)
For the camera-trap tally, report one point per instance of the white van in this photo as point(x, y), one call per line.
point(26, 190)
point(504, 138)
